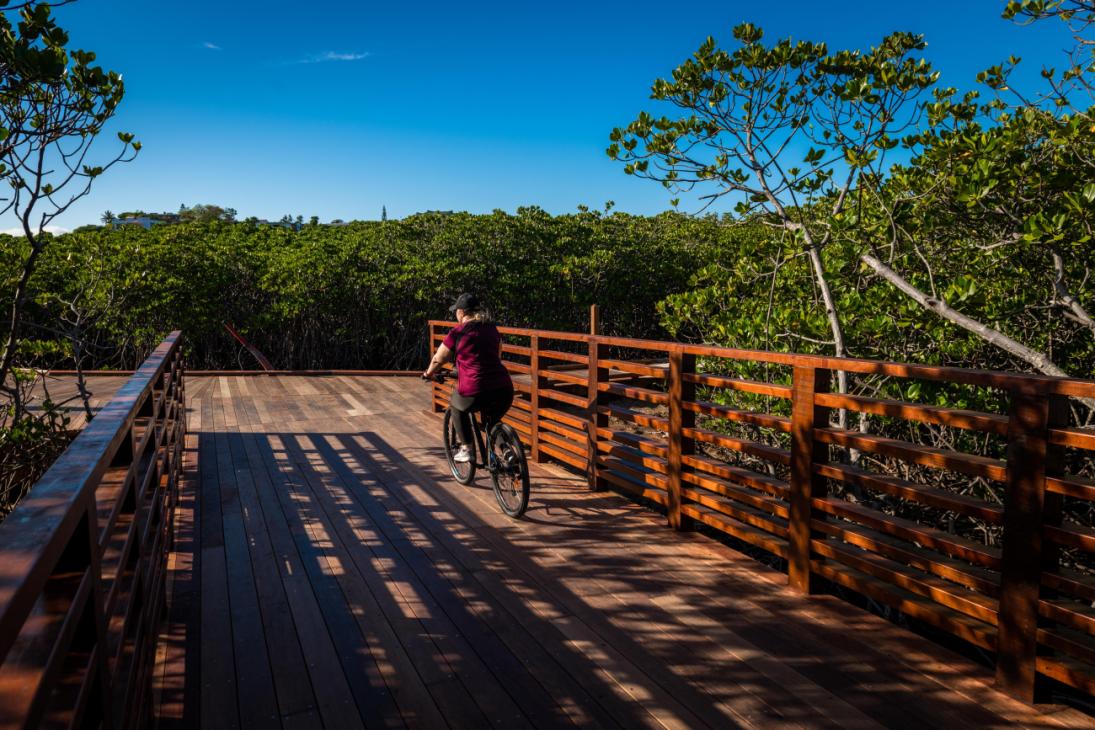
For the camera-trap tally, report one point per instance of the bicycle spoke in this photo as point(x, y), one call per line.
point(510, 477)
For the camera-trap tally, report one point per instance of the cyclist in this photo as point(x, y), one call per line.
point(482, 381)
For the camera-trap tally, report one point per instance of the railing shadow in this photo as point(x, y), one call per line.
point(438, 609)
point(835, 662)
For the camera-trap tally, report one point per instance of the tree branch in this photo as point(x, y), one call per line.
point(1065, 297)
point(1039, 361)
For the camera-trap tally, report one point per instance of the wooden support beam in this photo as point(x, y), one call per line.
point(806, 415)
point(680, 364)
point(434, 387)
point(1027, 509)
point(536, 382)
point(594, 418)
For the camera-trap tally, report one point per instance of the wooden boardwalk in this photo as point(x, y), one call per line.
point(62, 390)
point(328, 573)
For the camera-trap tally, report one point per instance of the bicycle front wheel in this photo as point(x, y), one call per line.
point(509, 473)
point(463, 472)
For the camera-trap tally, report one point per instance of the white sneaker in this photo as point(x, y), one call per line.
point(462, 455)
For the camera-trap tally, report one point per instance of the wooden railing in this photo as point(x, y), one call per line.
point(968, 533)
point(82, 562)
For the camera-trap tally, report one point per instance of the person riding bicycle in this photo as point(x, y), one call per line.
point(482, 381)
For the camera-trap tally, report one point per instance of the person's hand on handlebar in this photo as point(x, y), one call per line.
point(434, 372)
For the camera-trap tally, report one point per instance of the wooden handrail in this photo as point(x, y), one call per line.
point(65, 577)
point(781, 489)
point(1047, 384)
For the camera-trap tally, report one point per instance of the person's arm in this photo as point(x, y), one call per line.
point(442, 356)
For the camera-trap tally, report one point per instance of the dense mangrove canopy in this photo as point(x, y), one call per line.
point(359, 295)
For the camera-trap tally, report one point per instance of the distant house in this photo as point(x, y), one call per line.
point(144, 221)
point(291, 225)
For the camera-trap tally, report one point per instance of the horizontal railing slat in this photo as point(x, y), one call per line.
point(75, 523)
point(748, 386)
point(978, 466)
point(912, 491)
point(1043, 384)
point(32, 535)
point(971, 420)
point(860, 496)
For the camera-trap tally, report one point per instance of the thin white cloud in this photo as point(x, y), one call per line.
point(211, 46)
point(333, 56)
point(55, 230)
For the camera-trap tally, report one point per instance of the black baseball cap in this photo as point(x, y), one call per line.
point(466, 301)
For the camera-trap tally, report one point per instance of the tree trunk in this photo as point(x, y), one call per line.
point(81, 379)
point(19, 301)
point(1039, 361)
point(839, 347)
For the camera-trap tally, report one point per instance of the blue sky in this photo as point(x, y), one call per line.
point(335, 109)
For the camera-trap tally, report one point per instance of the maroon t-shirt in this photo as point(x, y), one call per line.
point(478, 365)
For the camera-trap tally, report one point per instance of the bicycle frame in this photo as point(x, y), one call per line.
point(508, 469)
point(478, 434)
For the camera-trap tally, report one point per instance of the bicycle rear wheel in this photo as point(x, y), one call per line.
point(510, 471)
point(461, 472)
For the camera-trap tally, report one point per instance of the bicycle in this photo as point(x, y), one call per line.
point(505, 459)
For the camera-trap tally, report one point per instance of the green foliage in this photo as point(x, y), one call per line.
point(29, 442)
point(204, 213)
point(54, 102)
point(360, 295)
point(49, 93)
point(749, 112)
point(990, 213)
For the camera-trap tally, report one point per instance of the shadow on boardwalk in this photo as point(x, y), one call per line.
point(329, 573)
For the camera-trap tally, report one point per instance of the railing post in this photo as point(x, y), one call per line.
point(805, 485)
point(594, 420)
point(535, 383)
point(1027, 508)
point(434, 387)
point(594, 319)
point(680, 391)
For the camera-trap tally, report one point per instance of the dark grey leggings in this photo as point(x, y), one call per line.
point(493, 403)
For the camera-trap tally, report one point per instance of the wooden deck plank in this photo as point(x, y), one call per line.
point(794, 633)
point(335, 700)
point(623, 668)
point(495, 628)
point(450, 672)
point(254, 679)
point(449, 615)
point(587, 617)
point(385, 594)
point(653, 594)
point(821, 657)
point(64, 393)
point(292, 686)
point(490, 626)
point(218, 669)
point(395, 405)
point(361, 663)
point(900, 712)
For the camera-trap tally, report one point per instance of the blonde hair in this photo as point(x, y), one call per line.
point(479, 315)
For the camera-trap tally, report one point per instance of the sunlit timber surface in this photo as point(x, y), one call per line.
point(322, 569)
